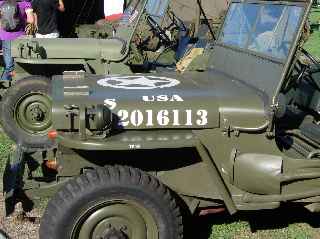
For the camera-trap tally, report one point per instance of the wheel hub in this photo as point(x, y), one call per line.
point(37, 113)
point(114, 234)
point(114, 227)
point(118, 219)
point(32, 113)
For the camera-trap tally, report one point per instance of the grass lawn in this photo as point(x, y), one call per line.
point(286, 222)
point(313, 44)
point(5, 147)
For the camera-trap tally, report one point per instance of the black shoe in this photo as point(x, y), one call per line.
point(5, 83)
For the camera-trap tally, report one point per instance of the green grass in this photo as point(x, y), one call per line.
point(315, 15)
point(288, 222)
point(313, 43)
point(5, 148)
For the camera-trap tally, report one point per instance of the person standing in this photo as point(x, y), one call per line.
point(13, 20)
point(46, 17)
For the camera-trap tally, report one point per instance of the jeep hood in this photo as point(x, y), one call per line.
point(170, 100)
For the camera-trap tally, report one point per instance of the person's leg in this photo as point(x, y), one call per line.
point(8, 60)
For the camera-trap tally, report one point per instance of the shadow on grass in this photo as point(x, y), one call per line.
point(281, 218)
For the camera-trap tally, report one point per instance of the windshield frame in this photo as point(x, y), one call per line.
point(256, 53)
point(285, 63)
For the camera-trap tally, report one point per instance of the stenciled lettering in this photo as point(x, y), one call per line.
point(162, 98)
point(110, 103)
point(150, 118)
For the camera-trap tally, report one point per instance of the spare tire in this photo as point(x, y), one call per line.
point(25, 113)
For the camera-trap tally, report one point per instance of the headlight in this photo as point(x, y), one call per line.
point(100, 117)
point(73, 117)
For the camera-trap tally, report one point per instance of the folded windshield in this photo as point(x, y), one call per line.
point(131, 12)
point(268, 29)
point(155, 8)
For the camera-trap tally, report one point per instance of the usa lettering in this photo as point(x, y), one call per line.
point(162, 98)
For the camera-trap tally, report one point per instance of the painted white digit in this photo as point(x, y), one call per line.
point(189, 117)
point(176, 118)
point(136, 118)
point(203, 117)
point(149, 118)
point(123, 115)
point(163, 117)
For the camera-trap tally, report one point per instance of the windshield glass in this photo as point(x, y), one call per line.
point(267, 29)
point(155, 8)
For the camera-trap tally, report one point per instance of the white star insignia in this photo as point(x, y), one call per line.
point(138, 82)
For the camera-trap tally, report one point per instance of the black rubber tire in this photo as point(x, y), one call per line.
point(7, 109)
point(103, 184)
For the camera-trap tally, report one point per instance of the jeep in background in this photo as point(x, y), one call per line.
point(148, 30)
point(100, 55)
point(134, 151)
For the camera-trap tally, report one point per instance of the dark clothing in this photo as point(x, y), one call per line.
point(46, 11)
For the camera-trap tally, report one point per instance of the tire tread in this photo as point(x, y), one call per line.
point(99, 177)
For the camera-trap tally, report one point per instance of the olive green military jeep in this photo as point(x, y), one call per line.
point(133, 150)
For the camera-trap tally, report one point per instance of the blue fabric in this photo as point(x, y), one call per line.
point(8, 60)
point(182, 47)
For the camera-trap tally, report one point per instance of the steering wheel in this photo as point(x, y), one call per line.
point(311, 58)
point(161, 33)
point(176, 22)
point(315, 62)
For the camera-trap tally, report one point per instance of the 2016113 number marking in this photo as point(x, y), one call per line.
point(151, 118)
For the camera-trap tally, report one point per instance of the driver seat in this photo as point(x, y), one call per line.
point(311, 131)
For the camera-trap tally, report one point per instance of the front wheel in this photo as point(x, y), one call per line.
point(112, 203)
point(25, 112)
